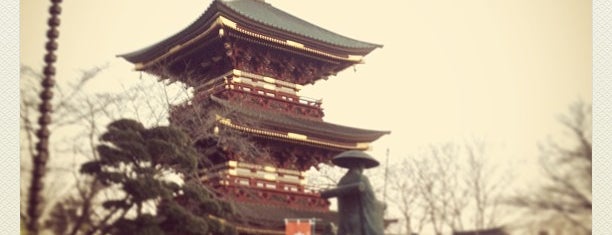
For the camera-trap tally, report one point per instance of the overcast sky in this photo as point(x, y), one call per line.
point(501, 70)
point(498, 70)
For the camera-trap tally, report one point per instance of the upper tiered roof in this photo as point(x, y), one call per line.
point(266, 14)
point(262, 20)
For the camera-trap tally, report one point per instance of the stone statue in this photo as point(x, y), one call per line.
point(358, 210)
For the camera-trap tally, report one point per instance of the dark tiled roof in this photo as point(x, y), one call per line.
point(267, 14)
point(271, 217)
point(491, 231)
point(258, 14)
point(303, 126)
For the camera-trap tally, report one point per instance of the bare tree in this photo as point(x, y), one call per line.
point(485, 182)
point(66, 112)
point(405, 195)
point(78, 116)
point(447, 187)
point(567, 165)
point(440, 188)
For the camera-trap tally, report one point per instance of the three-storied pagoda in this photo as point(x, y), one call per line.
point(246, 61)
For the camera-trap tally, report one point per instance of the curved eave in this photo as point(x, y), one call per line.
point(293, 137)
point(303, 126)
point(200, 25)
point(207, 21)
point(247, 229)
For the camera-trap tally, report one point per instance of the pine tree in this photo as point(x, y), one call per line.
point(138, 161)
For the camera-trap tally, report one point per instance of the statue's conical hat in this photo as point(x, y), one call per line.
point(352, 158)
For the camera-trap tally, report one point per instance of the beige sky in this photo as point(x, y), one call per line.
point(494, 69)
point(448, 70)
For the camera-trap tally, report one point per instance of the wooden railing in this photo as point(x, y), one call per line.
point(263, 184)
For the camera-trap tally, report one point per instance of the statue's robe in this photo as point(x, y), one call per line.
point(359, 213)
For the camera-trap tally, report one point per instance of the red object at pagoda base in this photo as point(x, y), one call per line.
point(298, 226)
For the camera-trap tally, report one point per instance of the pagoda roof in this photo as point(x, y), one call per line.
point(265, 13)
point(256, 16)
point(489, 231)
point(301, 126)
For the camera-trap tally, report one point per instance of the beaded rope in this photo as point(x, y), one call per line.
point(35, 200)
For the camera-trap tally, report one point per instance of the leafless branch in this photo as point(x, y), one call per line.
point(567, 165)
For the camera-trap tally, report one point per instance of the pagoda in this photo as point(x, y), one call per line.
point(244, 62)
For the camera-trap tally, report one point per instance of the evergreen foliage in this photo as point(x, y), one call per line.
point(137, 161)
